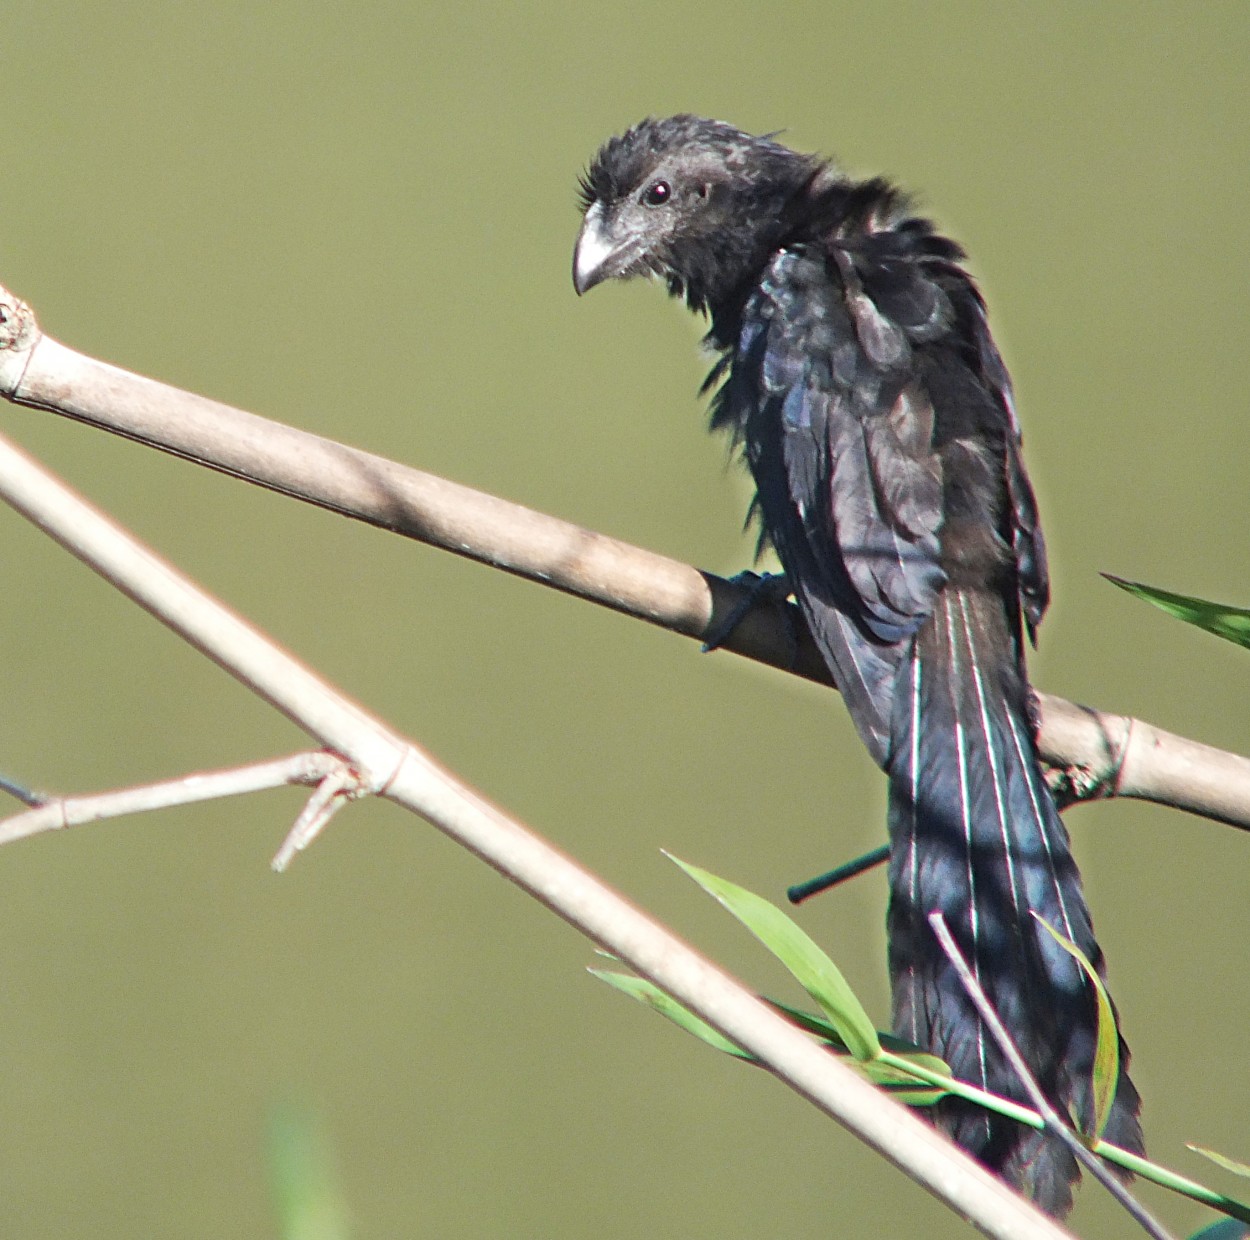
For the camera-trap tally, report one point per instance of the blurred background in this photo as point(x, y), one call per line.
point(358, 219)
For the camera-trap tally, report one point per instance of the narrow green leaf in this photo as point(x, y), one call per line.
point(653, 997)
point(1231, 623)
point(901, 1085)
point(822, 1028)
point(809, 1022)
point(1167, 1178)
point(895, 1077)
point(813, 970)
point(930, 1063)
point(1220, 1160)
point(1223, 1229)
point(305, 1188)
point(1106, 1074)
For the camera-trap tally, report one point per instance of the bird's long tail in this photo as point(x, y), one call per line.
point(975, 834)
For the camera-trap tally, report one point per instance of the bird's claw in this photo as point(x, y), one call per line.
point(763, 589)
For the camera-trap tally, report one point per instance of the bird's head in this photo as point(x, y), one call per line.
point(694, 201)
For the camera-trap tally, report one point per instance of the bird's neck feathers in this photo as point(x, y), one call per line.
point(816, 206)
point(746, 220)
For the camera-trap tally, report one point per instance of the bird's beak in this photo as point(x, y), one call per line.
point(594, 251)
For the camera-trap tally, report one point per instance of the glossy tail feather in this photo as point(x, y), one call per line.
point(976, 835)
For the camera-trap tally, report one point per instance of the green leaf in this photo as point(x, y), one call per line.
point(895, 1077)
point(650, 995)
point(822, 1028)
point(900, 1084)
point(905, 1084)
point(813, 970)
point(310, 1205)
point(1231, 623)
point(1220, 1160)
point(1106, 1074)
point(1223, 1229)
point(809, 1022)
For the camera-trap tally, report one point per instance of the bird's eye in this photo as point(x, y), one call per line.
point(658, 194)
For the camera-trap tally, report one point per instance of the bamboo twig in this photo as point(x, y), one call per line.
point(56, 813)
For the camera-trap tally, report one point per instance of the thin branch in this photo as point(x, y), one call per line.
point(56, 813)
point(1094, 754)
point(335, 790)
point(388, 764)
point(1054, 1123)
point(19, 792)
point(840, 874)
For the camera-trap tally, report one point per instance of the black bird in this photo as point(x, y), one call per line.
point(859, 377)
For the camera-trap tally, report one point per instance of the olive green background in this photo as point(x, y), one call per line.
point(358, 219)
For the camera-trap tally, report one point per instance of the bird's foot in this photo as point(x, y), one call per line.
point(763, 590)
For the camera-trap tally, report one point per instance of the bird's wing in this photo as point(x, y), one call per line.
point(838, 427)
